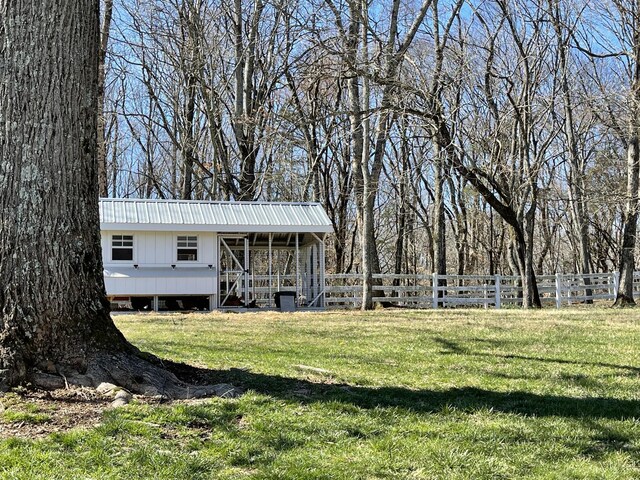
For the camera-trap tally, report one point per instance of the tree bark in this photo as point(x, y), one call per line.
point(53, 301)
point(102, 59)
point(54, 313)
point(627, 257)
point(630, 225)
point(244, 121)
point(439, 231)
point(531, 296)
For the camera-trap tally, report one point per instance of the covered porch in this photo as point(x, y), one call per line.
point(255, 268)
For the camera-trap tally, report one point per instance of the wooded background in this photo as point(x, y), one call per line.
point(458, 136)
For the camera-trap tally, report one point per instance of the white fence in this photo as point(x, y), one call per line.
point(424, 291)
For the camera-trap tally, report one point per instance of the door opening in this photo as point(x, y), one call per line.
point(233, 262)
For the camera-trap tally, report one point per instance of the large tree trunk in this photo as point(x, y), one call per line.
point(52, 300)
point(531, 296)
point(367, 246)
point(439, 231)
point(627, 258)
point(54, 314)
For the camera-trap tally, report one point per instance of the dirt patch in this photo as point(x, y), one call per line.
point(36, 414)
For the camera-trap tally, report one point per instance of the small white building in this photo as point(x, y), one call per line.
point(196, 254)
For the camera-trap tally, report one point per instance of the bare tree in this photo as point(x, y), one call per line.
point(564, 24)
point(367, 157)
point(630, 15)
point(107, 12)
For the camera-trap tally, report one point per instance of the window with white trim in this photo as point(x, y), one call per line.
point(122, 247)
point(187, 248)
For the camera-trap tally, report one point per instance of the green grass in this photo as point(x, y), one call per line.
point(389, 394)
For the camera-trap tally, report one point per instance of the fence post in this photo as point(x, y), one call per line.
point(558, 290)
point(616, 284)
point(498, 284)
point(485, 294)
point(434, 290)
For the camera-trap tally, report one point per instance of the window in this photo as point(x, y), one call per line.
point(187, 248)
point(122, 247)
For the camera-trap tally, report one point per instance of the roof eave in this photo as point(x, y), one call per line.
point(215, 228)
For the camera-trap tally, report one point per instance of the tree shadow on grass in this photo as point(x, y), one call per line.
point(468, 399)
point(453, 348)
point(606, 439)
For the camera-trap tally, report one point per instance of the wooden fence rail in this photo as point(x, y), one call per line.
point(437, 291)
point(434, 291)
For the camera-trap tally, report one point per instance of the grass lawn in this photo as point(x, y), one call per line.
point(460, 394)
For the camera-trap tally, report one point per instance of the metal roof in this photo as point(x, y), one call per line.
point(189, 215)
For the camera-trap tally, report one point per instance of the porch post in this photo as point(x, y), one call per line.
point(270, 269)
point(322, 281)
point(314, 276)
point(215, 303)
point(297, 266)
point(434, 290)
point(246, 271)
point(279, 263)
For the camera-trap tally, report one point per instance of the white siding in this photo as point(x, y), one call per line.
point(207, 244)
point(145, 247)
point(163, 247)
point(159, 248)
point(154, 253)
point(186, 281)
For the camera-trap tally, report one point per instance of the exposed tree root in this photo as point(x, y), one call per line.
point(133, 372)
point(622, 301)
